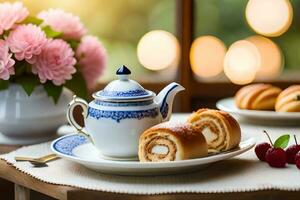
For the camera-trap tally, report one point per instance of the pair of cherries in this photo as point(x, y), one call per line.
point(275, 155)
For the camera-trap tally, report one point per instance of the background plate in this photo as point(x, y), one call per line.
point(228, 105)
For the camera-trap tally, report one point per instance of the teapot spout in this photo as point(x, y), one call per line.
point(165, 99)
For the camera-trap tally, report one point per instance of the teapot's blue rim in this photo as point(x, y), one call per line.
point(125, 99)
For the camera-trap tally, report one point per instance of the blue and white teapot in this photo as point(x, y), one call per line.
point(120, 113)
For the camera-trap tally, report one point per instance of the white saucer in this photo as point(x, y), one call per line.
point(228, 105)
point(19, 141)
point(76, 148)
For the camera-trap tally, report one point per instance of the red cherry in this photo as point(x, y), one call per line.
point(261, 150)
point(276, 157)
point(291, 152)
point(297, 160)
point(298, 164)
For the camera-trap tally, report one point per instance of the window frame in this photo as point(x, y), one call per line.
point(197, 93)
point(201, 93)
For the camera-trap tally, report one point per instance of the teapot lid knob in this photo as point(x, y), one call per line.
point(123, 72)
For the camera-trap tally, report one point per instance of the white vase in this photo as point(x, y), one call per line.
point(30, 119)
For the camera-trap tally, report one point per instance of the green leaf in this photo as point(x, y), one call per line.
point(73, 43)
point(4, 84)
point(53, 90)
point(50, 33)
point(5, 34)
point(282, 141)
point(28, 82)
point(32, 20)
point(77, 85)
point(20, 67)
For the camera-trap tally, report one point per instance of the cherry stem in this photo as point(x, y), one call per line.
point(268, 137)
point(295, 140)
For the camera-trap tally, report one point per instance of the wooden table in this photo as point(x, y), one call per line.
point(19, 186)
point(25, 186)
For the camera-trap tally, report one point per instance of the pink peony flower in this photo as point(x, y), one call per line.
point(64, 22)
point(10, 14)
point(55, 62)
point(6, 62)
point(92, 59)
point(26, 41)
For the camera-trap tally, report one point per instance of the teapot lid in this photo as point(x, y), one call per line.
point(123, 89)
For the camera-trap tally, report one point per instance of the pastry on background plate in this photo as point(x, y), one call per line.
point(289, 100)
point(221, 131)
point(258, 96)
point(171, 141)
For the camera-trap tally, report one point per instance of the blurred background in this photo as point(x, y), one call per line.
point(212, 47)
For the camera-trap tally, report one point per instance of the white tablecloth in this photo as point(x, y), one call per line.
point(239, 174)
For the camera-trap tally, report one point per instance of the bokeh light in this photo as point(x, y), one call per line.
point(158, 50)
point(207, 55)
point(241, 62)
point(271, 57)
point(269, 17)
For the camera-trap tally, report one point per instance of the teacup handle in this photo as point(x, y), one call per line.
point(84, 105)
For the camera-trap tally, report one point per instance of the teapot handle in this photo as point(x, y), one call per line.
point(84, 105)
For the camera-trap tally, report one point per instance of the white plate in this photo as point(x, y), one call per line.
point(228, 105)
point(77, 149)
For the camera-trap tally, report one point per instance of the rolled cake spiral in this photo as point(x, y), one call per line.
point(221, 131)
point(171, 141)
point(289, 100)
point(257, 97)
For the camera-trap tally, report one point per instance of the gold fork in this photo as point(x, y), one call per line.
point(38, 162)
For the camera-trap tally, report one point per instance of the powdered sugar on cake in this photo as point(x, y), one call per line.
point(183, 129)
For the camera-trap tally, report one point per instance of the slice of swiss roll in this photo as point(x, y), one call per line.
point(171, 141)
point(221, 131)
